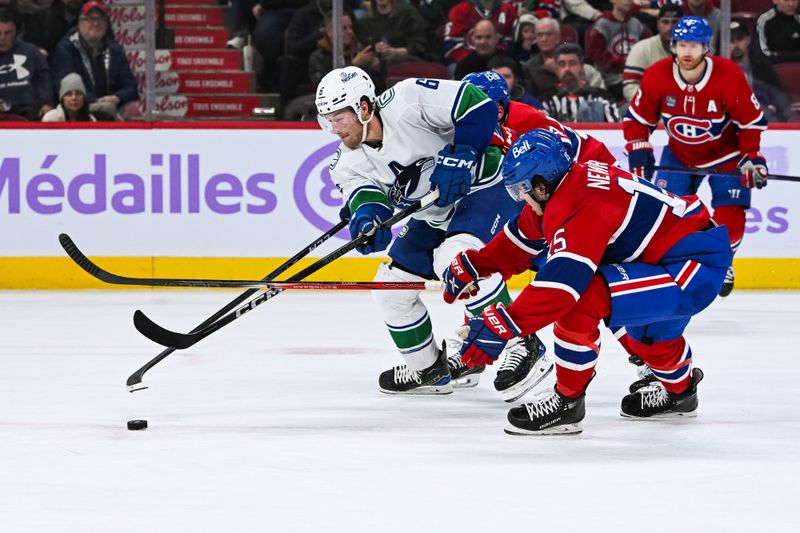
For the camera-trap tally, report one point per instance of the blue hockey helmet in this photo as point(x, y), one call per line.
point(692, 29)
point(493, 84)
point(536, 153)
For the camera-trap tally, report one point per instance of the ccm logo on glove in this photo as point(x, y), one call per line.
point(454, 162)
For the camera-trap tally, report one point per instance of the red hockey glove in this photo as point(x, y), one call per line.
point(460, 279)
point(641, 160)
point(754, 170)
point(488, 336)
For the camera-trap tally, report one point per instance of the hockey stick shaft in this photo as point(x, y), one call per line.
point(134, 380)
point(704, 171)
point(181, 341)
point(89, 266)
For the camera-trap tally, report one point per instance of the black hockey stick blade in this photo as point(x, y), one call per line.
point(693, 170)
point(81, 260)
point(181, 341)
point(134, 381)
point(160, 335)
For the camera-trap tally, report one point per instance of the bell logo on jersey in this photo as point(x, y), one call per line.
point(689, 130)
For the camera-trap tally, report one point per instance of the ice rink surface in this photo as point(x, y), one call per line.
point(275, 424)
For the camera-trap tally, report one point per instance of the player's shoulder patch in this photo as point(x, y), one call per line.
point(385, 97)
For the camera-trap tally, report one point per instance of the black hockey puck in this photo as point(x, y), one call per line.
point(135, 425)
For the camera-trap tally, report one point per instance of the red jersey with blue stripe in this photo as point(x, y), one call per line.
point(598, 215)
point(710, 123)
point(523, 118)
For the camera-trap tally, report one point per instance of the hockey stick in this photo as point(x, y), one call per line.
point(181, 341)
point(704, 171)
point(103, 275)
point(135, 379)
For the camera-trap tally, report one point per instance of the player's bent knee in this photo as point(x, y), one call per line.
point(397, 300)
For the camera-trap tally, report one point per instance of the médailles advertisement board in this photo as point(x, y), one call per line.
point(189, 191)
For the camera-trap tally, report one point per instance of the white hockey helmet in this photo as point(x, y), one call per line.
point(344, 87)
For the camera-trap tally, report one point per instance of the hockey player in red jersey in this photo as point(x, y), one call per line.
point(609, 246)
point(522, 118)
point(713, 121)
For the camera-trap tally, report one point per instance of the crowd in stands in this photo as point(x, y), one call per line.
point(59, 62)
point(579, 60)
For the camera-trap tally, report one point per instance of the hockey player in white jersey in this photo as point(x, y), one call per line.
point(419, 135)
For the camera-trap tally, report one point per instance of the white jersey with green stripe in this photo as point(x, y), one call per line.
point(419, 117)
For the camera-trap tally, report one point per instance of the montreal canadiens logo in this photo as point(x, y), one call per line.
point(689, 130)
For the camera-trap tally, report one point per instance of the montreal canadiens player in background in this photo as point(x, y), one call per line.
point(387, 159)
point(713, 121)
point(609, 246)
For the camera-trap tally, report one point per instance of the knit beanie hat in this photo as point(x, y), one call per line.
point(71, 82)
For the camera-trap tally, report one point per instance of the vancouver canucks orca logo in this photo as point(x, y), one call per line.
point(406, 188)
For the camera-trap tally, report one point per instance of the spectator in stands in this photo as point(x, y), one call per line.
point(463, 18)
point(272, 20)
point(26, 89)
point(302, 35)
point(73, 105)
point(540, 70)
point(707, 10)
point(243, 22)
point(484, 41)
point(91, 52)
point(541, 67)
point(45, 28)
point(648, 51)
point(766, 84)
point(581, 13)
point(542, 8)
point(396, 30)
point(574, 99)
point(778, 31)
point(524, 38)
point(434, 13)
point(321, 60)
point(511, 71)
point(609, 41)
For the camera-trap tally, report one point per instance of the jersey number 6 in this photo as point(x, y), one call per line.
point(428, 84)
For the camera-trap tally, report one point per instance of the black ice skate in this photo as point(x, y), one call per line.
point(525, 366)
point(462, 376)
point(646, 376)
point(433, 380)
point(550, 414)
point(654, 401)
point(727, 284)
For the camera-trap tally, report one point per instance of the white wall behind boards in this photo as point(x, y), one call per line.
point(238, 192)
